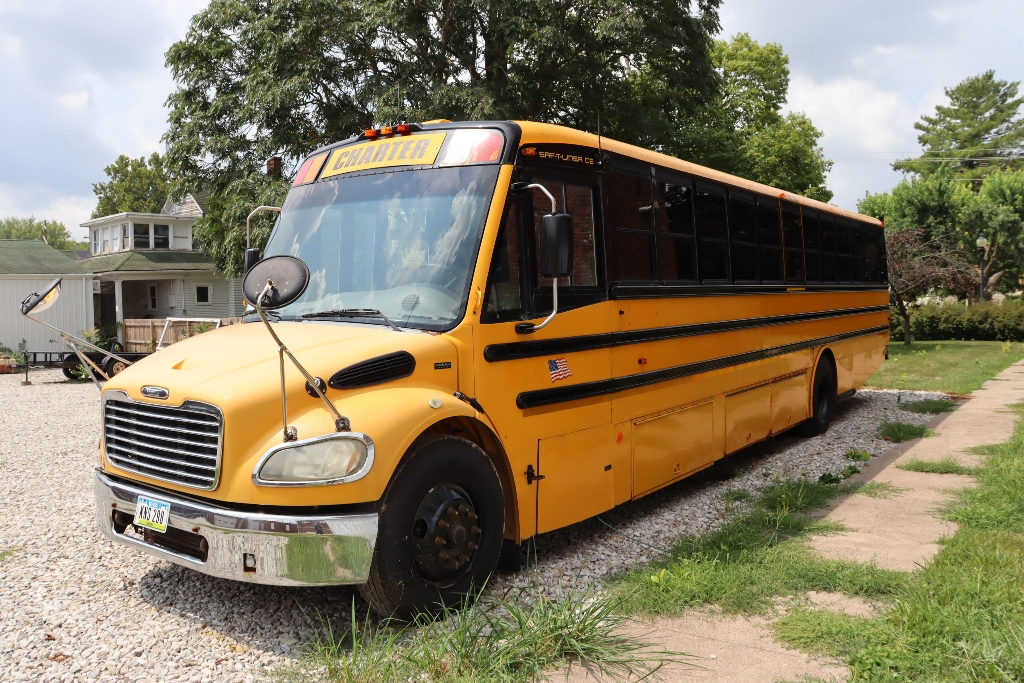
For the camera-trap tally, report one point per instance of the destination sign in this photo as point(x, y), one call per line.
point(407, 150)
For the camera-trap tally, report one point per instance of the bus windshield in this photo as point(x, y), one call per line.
point(401, 243)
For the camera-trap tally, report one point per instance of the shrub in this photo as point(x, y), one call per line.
point(981, 322)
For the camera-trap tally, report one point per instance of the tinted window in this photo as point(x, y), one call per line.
point(857, 252)
point(769, 237)
point(578, 201)
point(677, 252)
point(829, 267)
point(843, 249)
point(713, 234)
point(630, 227)
point(792, 235)
point(503, 299)
point(743, 238)
point(812, 245)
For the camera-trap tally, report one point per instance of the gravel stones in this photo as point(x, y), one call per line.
point(76, 607)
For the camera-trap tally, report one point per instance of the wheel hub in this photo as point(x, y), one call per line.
point(445, 533)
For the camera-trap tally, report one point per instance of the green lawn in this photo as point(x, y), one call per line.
point(957, 367)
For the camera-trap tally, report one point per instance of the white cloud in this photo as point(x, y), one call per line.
point(75, 101)
point(10, 46)
point(47, 204)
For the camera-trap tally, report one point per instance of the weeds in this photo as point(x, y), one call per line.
point(901, 431)
point(879, 489)
point(514, 638)
point(849, 471)
point(744, 565)
point(858, 455)
point(945, 466)
point(931, 406)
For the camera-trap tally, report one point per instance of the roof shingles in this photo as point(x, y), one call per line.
point(149, 261)
point(35, 257)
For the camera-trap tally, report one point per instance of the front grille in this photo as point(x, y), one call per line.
point(176, 444)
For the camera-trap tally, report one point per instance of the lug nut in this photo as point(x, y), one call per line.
point(471, 546)
point(463, 558)
point(471, 516)
point(439, 540)
point(442, 523)
point(443, 555)
point(463, 509)
point(452, 512)
point(474, 530)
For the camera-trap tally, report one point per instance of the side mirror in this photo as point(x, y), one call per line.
point(40, 302)
point(288, 275)
point(252, 257)
point(555, 250)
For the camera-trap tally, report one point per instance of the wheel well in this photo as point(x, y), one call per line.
point(826, 356)
point(480, 434)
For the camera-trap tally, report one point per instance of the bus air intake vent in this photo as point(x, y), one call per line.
point(180, 445)
point(374, 371)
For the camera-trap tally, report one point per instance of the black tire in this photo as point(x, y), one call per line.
point(69, 372)
point(412, 572)
point(823, 401)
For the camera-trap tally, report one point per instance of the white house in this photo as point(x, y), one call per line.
point(147, 266)
point(27, 266)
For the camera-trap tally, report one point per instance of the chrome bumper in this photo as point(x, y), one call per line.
point(283, 550)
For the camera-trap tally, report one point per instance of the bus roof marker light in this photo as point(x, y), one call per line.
point(473, 146)
point(403, 128)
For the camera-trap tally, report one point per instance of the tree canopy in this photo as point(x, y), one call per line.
point(977, 133)
point(57, 235)
point(262, 78)
point(134, 185)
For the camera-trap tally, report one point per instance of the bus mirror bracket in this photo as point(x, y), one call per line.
point(554, 253)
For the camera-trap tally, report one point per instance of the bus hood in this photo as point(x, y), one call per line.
point(238, 364)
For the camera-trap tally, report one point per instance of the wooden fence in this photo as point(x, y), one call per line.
point(143, 335)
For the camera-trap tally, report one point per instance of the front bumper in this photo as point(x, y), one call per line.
point(283, 550)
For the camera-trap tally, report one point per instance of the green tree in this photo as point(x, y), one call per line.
point(134, 185)
point(258, 78)
point(755, 80)
point(57, 235)
point(977, 133)
point(786, 155)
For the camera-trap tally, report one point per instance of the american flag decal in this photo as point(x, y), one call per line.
point(559, 369)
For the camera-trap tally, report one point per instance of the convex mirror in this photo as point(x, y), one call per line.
point(289, 276)
point(555, 245)
point(37, 303)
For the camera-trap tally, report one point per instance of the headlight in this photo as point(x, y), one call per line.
point(326, 460)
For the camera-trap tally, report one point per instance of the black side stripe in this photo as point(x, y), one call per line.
point(575, 392)
point(494, 353)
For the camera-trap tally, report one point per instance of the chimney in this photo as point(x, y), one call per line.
point(274, 167)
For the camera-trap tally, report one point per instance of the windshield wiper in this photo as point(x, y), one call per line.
point(354, 313)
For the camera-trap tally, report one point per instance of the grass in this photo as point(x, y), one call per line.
point(901, 431)
point(504, 640)
point(944, 466)
point(879, 489)
point(747, 564)
point(961, 618)
point(858, 455)
point(956, 367)
point(930, 406)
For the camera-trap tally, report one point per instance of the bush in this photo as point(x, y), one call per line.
point(982, 322)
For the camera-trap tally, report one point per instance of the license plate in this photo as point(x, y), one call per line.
point(152, 514)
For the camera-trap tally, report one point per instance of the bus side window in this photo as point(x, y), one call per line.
point(677, 251)
point(503, 300)
point(578, 200)
point(629, 227)
point(812, 245)
point(829, 267)
point(857, 253)
point(712, 233)
point(793, 239)
point(743, 238)
point(843, 249)
point(769, 239)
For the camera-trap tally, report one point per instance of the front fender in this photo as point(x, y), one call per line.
point(392, 417)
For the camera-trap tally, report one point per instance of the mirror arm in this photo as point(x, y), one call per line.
point(248, 222)
point(74, 342)
point(341, 423)
point(86, 363)
point(537, 186)
point(527, 328)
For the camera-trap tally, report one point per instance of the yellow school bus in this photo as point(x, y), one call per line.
point(462, 335)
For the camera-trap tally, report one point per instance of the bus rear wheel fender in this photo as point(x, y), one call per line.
point(441, 526)
point(823, 396)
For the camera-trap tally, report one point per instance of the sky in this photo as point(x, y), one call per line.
point(83, 82)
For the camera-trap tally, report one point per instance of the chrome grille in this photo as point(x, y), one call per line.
point(175, 444)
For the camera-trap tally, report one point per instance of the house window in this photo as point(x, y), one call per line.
point(152, 297)
point(161, 237)
point(95, 241)
point(106, 246)
point(125, 237)
point(141, 232)
point(204, 294)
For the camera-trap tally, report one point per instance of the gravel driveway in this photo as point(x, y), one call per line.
point(74, 607)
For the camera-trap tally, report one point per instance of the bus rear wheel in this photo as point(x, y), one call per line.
point(442, 520)
point(823, 399)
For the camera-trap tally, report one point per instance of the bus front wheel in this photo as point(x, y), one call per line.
point(823, 399)
point(442, 520)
